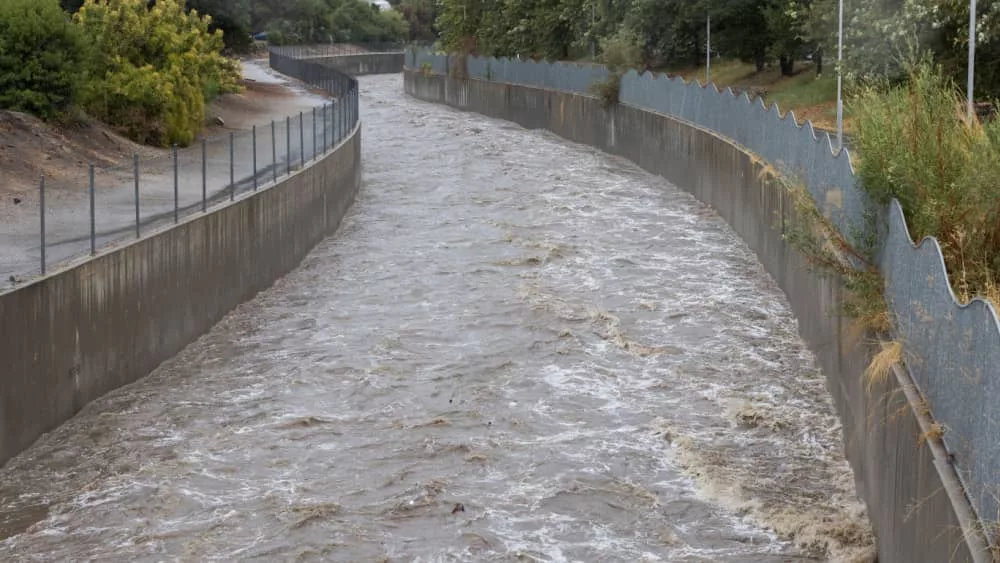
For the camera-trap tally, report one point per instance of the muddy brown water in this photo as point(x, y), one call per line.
point(515, 349)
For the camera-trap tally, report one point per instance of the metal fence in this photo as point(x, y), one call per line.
point(952, 349)
point(565, 77)
point(96, 207)
point(336, 49)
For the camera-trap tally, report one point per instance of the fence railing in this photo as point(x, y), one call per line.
point(952, 349)
point(336, 49)
point(95, 207)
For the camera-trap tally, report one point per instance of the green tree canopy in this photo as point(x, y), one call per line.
point(232, 17)
point(152, 69)
point(328, 21)
point(40, 57)
point(419, 16)
point(879, 34)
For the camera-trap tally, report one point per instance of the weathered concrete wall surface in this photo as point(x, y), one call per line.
point(365, 63)
point(904, 485)
point(71, 337)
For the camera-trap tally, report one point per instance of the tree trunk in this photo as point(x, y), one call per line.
point(819, 61)
point(787, 65)
point(760, 61)
point(698, 59)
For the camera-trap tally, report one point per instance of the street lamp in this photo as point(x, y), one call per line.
point(840, 75)
point(972, 58)
point(593, 39)
point(708, 50)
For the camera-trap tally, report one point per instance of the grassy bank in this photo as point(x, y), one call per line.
point(810, 96)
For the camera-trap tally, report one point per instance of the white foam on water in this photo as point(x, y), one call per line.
point(585, 359)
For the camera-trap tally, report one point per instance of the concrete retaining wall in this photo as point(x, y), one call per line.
point(76, 334)
point(911, 492)
point(362, 64)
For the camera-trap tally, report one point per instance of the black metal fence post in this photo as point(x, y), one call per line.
point(176, 190)
point(326, 147)
point(288, 144)
point(302, 141)
point(274, 155)
point(232, 165)
point(41, 211)
point(313, 143)
point(135, 176)
point(93, 223)
point(204, 176)
point(253, 132)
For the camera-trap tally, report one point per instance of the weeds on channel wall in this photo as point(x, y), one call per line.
point(917, 145)
point(828, 252)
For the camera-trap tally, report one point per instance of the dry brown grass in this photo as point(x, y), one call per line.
point(882, 364)
point(933, 434)
point(920, 149)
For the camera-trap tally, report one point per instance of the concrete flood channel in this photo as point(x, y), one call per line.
point(515, 348)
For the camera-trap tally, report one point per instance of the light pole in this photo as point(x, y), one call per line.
point(593, 39)
point(840, 75)
point(708, 49)
point(972, 58)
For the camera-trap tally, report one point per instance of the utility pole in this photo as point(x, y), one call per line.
point(972, 60)
point(708, 49)
point(593, 37)
point(840, 76)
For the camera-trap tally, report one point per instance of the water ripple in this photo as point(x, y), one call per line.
point(516, 349)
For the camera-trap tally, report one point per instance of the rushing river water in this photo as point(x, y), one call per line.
point(515, 349)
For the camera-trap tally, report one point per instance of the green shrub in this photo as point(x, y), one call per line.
point(340, 21)
point(40, 57)
point(153, 68)
point(619, 54)
point(607, 90)
point(917, 146)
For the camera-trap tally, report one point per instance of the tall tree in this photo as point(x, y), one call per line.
point(459, 22)
point(230, 16)
point(741, 30)
point(672, 31)
point(786, 25)
point(420, 16)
